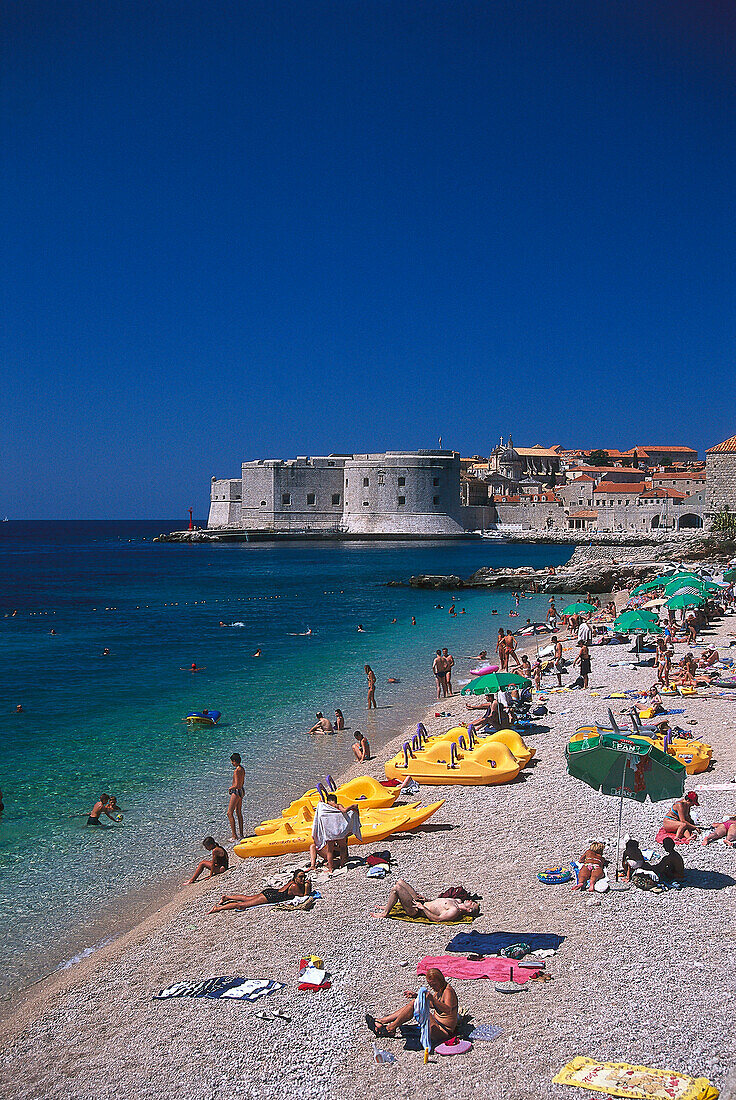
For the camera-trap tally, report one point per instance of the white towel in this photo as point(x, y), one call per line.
point(334, 823)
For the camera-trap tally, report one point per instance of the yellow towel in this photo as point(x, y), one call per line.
point(397, 913)
point(634, 1082)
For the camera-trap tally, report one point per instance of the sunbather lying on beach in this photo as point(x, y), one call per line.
point(415, 905)
point(592, 866)
point(299, 887)
point(216, 864)
point(722, 830)
point(443, 1011)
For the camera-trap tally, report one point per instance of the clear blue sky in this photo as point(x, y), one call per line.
point(235, 230)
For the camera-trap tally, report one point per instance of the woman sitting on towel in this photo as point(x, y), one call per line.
point(299, 887)
point(678, 820)
point(443, 1011)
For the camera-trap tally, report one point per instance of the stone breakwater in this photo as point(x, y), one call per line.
point(592, 568)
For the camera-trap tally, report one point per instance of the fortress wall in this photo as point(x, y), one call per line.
point(720, 473)
point(283, 496)
point(413, 493)
point(225, 503)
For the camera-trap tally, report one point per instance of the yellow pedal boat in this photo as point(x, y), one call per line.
point(365, 790)
point(288, 838)
point(441, 764)
point(403, 818)
point(695, 756)
point(513, 741)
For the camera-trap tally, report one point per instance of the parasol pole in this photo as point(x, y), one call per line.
point(620, 813)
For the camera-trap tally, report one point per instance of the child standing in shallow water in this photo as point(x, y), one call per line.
point(592, 866)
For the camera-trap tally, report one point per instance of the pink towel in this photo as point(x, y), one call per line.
point(499, 970)
point(663, 833)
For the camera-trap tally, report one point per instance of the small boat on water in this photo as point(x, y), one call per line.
point(205, 717)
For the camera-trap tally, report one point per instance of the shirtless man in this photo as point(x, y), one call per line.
point(438, 668)
point(217, 864)
point(102, 806)
point(236, 792)
point(361, 748)
point(492, 716)
point(322, 725)
point(443, 1011)
point(438, 910)
point(449, 660)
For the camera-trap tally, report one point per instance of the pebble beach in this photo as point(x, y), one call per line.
point(640, 978)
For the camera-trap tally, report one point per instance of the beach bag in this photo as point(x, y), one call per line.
point(516, 950)
point(552, 876)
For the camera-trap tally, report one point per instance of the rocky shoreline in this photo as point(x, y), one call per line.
point(600, 567)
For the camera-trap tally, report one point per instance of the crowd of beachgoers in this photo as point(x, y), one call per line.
point(506, 937)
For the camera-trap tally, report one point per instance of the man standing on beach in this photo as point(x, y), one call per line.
point(449, 662)
point(438, 668)
point(558, 660)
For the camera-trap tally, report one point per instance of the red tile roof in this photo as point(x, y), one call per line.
point(672, 494)
point(583, 515)
point(664, 450)
point(728, 447)
point(694, 475)
point(609, 487)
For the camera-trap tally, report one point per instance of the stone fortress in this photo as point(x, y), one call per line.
point(436, 494)
point(399, 494)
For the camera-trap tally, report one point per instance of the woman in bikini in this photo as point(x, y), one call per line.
point(678, 821)
point(236, 792)
point(443, 1011)
point(592, 867)
point(299, 887)
point(371, 677)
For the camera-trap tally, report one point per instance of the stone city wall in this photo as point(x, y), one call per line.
point(720, 474)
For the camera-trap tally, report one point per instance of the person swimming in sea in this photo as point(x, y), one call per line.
point(101, 806)
point(257, 652)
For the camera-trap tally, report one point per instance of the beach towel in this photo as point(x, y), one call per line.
point(499, 970)
point(490, 943)
point(293, 905)
point(636, 1082)
point(663, 833)
point(332, 823)
point(242, 989)
point(397, 913)
point(487, 1032)
point(422, 1017)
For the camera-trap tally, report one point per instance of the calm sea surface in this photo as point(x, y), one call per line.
point(94, 723)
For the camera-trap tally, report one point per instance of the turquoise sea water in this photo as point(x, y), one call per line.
point(92, 723)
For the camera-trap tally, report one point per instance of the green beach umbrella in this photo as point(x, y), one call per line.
point(730, 575)
point(678, 583)
point(648, 586)
point(615, 764)
point(680, 601)
point(627, 621)
point(493, 682)
point(578, 608)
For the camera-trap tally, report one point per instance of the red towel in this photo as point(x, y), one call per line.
point(498, 969)
point(663, 833)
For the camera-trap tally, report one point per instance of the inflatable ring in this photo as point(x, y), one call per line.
point(554, 875)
